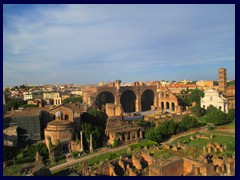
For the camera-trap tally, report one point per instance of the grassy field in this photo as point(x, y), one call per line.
point(221, 139)
point(230, 125)
point(92, 161)
point(107, 156)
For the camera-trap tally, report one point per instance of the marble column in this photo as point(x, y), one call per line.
point(130, 133)
point(136, 135)
point(126, 137)
point(81, 139)
point(91, 147)
point(141, 134)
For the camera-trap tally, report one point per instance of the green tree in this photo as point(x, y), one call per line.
point(72, 99)
point(189, 122)
point(195, 95)
point(215, 116)
point(230, 83)
point(231, 115)
point(154, 135)
point(11, 104)
point(198, 111)
point(115, 143)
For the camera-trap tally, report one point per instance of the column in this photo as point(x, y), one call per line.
point(130, 133)
point(136, 135)
point(126, 136)
point(81, 139)
point(141, 134)
point(138, 105)
point(155, 100)
point(91, 147)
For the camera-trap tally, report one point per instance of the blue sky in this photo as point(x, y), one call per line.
point(90, 43)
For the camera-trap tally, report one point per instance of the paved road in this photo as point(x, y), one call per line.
point(75, 161)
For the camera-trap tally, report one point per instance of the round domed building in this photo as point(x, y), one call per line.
point(59, 133)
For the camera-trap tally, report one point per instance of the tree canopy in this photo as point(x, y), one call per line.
point(72, 99)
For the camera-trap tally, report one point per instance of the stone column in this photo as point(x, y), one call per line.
point(126, 137)
point(130, 133)
point(141, 134)
point(81, 139)
point(91, 147)
point(138, 105)
point(136, 135)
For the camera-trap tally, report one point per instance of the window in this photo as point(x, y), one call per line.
point(210, 98)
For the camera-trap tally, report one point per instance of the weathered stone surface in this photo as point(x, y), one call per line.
point(136, 162)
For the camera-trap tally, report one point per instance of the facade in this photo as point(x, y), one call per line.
point(136, 97)
point(205, 84)
point(122, 131)
point(30, 122)
point(222, 79)
point(59, 133)
point(32, 95)
point(71, 112)
point(53, 98)
point(215, 98)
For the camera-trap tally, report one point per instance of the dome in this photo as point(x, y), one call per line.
point(58, 115)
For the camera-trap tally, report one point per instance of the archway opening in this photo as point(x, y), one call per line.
point(167, 105)
point(173, 106)
point(147, 100)
point(128, 101)
point(103, 98)
point(162, 105)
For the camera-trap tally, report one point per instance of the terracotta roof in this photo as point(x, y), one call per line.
point(59, 123)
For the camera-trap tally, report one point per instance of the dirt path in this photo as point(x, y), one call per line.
point(75, 161)
point(173, 138)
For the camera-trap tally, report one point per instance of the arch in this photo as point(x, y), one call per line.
point(162, 105)
point(167, 96)
point(147, 99)
point(167, 105)
point(162, 94)
point(103, 98)
point(173, 106)
point(66, 117)
point(128, 101)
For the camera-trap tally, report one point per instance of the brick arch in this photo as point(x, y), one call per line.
point(128, 104)
point(111, 98)
point(164, 98)
point(147, 102)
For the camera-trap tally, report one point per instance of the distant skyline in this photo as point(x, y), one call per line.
point(85, 44)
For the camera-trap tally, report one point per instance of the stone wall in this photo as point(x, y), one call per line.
point(146, 156)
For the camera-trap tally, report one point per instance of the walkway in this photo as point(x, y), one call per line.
point(76, 161)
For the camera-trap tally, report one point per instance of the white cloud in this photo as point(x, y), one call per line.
point(82, 39)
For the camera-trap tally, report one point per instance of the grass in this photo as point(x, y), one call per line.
point(106, 156)
point(230, 125)
point(14, 170)
point(199, 143)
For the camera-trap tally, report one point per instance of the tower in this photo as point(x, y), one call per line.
point(222, 79)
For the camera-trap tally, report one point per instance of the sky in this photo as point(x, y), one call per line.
point(86, 44)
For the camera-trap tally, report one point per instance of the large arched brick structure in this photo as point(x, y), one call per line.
point(91, 93)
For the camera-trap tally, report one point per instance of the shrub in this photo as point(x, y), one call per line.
point(25, 160)
point(59, 158)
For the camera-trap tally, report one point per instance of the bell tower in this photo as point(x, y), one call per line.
point(222, 79)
